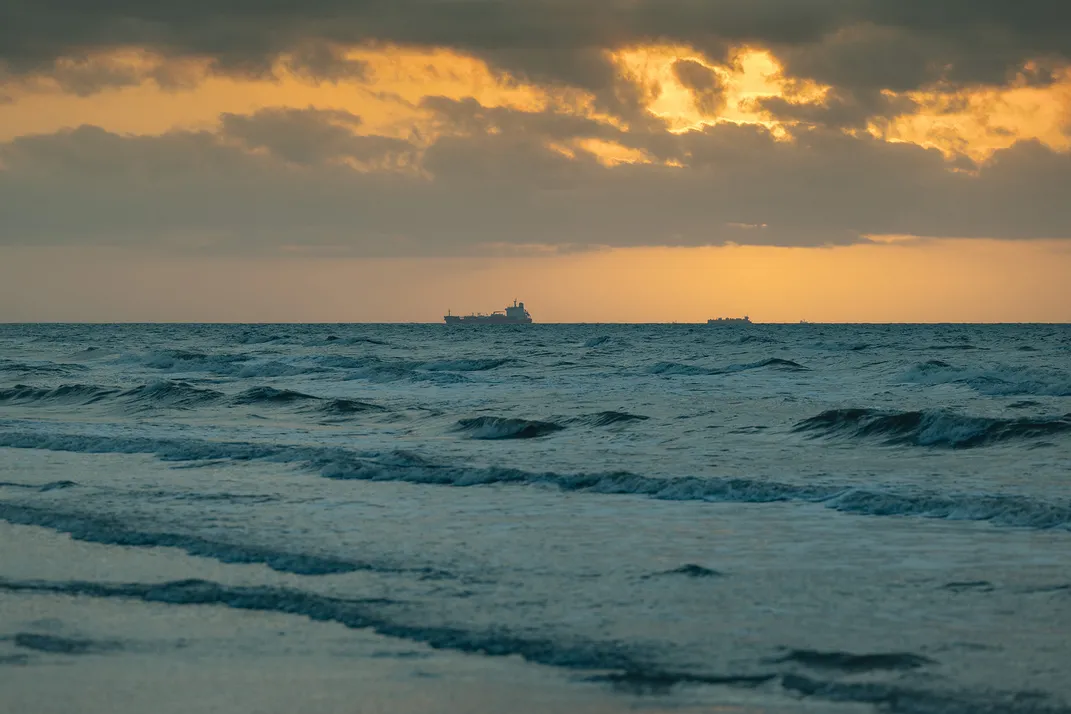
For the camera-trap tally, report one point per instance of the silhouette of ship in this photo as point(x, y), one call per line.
point(513, 315)
point(745, 320)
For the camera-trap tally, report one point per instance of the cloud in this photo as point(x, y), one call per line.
point(312, 136)
point(498, 176)
point(838, 109)
point(324, 61)
point(857, 46)
point(706, 86)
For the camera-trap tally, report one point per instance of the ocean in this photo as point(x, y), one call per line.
point(580, 518)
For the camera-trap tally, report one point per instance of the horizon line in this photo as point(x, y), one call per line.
point(439, 322)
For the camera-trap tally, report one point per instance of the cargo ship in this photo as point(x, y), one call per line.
point(745, 320)
point(512, 315)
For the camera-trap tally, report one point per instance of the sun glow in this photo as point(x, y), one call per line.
point(752, 74)
point(979, 121)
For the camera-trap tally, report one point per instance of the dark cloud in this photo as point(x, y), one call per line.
point(312, 136)
point(86, 77)
point(860, 46)
point(839, 109)
point(270, 179)
point(704, 83)
point(323, 61)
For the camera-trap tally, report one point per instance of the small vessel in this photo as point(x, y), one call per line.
point(515, 314)
point(745, 320)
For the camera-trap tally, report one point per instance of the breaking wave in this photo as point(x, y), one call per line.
point(342, 464)
point(931, 428)
point(492, 428)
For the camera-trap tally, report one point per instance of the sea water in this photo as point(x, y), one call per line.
point(763, 518)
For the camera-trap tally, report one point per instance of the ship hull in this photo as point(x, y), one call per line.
point(485, 320)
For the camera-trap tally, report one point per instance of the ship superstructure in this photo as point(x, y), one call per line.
point(745, 320)
point(514, 314)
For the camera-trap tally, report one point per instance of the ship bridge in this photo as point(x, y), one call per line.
point(516, 311)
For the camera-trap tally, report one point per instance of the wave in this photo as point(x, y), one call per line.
point(465, 365)
point(854, 663)
point(609, 418)
point(931, 428)
point(51, 644)
point(901, 699)
point(690, 570)
point(681, 370)
point(998, 381)
point(661, 682)
point(343, 464)
point(492, 428)
point(67, 394)
point(166, 394)
point(41, 487)
point(775, 362)
point(247, 366)
point(375, 370)
point(186, 360)
point(243, 366)
point(688, 370)
point(962, 347)
point(270, 395)
point(630, 666)
point(336, 340)
point(597, 341)
point(355, 614)
point(347, 407)
point(108, 531)
point(271, 370)
point(170, 395)
point(41, 369)
point(972, 585)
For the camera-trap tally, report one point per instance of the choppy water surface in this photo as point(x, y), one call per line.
point(878, 516)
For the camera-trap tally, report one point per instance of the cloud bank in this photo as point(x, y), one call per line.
point(285, 177)
point(819, 170)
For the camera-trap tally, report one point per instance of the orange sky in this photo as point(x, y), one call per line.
point(927, 281)
point(910, 280)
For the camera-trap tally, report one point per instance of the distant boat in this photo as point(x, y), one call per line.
point(513, 315)
point(745, 320)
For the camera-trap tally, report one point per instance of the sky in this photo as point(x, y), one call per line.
point(601, 160)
